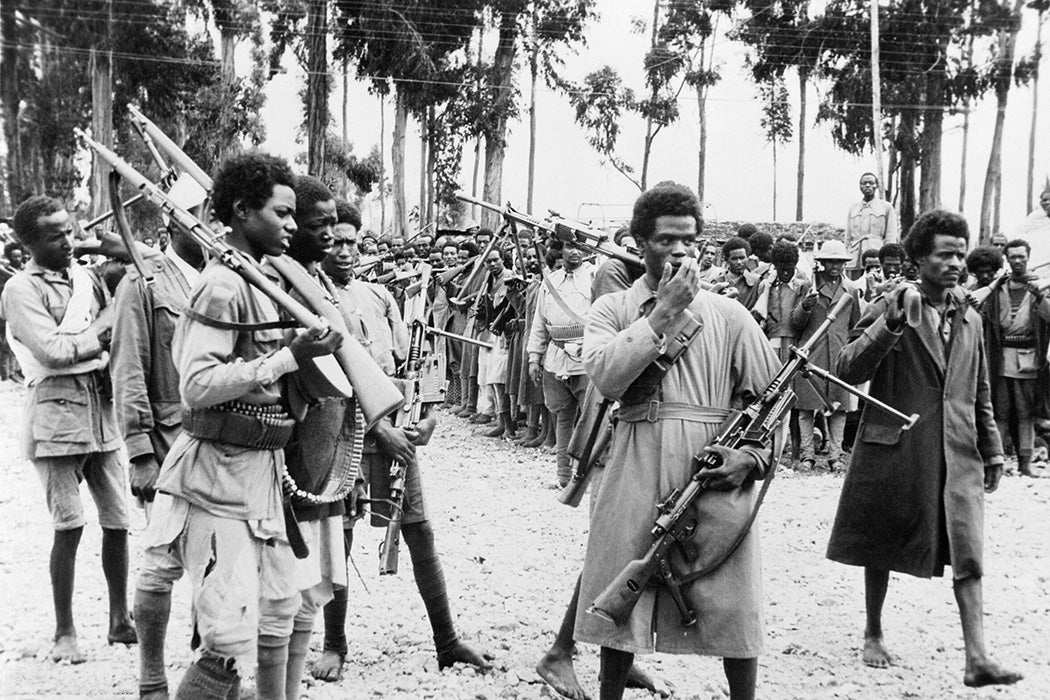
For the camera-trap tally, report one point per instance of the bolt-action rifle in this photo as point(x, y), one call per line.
point(677, 523)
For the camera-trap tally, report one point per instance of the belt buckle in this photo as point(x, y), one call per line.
point(652, 413)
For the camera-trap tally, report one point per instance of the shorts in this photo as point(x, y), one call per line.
point(375, 468)
point(106, 478)
point(322, 569)
point(243, 584)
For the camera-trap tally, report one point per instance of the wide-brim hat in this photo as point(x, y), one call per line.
point(833, 250)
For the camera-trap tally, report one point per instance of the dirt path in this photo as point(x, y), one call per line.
point(511, 555)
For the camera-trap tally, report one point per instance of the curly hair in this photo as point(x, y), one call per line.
point(984, 256)
point(733, 244)
point(937, 222)
point(28, 215)
point(784, 253)
point(745, 231)
point(666, 199)
point(347, 213)
point(251, 178)
point(309, 190)
point(1018, 243)
point(760, 243)
point(892, 250)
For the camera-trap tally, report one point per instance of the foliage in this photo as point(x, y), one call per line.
point(776, 111)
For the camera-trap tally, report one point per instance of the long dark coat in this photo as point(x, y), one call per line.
point(826, 351)
point(913, 501)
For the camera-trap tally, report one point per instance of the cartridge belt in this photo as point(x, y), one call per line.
point(256, 426)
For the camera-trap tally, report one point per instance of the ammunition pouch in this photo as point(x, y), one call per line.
point(253, 426)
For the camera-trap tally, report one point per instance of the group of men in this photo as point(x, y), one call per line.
point(233, 446)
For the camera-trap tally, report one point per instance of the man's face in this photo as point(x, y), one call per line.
point(435, 258)
point(1044, 202)
point(269, 229)
point(531, 260)
point(891, 266)
point(482, 240)
point(450, 256)
point(494, 262)
point(985, 275)
point(872, 265)
point(832, 269)
point(868, 185)
point(708, 256)
point(672, 241)
point(463, 254)
point(785, 271)
point(571, 256)
point(945, 262)
point(149, 242)
point(53, 248)
point(1017, 259)
point(999, 242)
point(14, 256)
point(397, 242)
point(737, 261)
point(343, 253)
point(314, 236)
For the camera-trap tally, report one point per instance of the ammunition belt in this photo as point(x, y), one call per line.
point(566, 333)
point(242, 424)
point(1019, 341)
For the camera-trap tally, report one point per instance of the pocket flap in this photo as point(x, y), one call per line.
point(881, 434)
point(61, 390)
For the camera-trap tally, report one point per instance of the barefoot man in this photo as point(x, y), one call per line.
point(913, 501)
point(59, 328)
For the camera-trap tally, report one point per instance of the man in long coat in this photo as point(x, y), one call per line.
point(725, 365)
point(810, 311)
point(913, 501)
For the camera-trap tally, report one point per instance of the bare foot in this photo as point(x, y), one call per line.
point(329, 667)
point(989, 673)
point(154, 695)
point(66, 649)
point(463, 653)
point(122, 631)
point(875, 654)
point(557, 670)
point(638, 677)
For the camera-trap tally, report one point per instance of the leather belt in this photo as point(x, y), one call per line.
point(653, 411)
point(245, 425)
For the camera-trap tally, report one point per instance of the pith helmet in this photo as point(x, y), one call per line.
point(833, 250)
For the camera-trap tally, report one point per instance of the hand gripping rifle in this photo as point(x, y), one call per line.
point(677, 523)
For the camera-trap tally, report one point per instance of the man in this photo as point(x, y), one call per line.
point(871, 222)
point(218, 508)
point(709, 272)
point(736, 252)
point(1036, 231)
point(146, 393)
point(726, 364)
point(555, 342)
point(492, 364)
point(816, 394)
point(913, 501)
point(14, 254)
point(530, 392)
point(59, 326)
point(778, 319)
point(379, 328)
point(984, 264)
point(872, 275)
point(1016, 319)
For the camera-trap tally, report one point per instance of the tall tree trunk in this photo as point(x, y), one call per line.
point(932, 132)
point(1037, 59)
point(774, 180)
point(649, 131)
point(888, 191)
point(502, 95)
point(382, 164)
point(424, 133)
point(9, 101)
point(101, 125)
point(477, 142)
point(800, 172)
point(533, 73)
point(908, 148)
point(345, 128)
point(227, 51)
point(431, 165)
point(1004, 67)
point(397, 158)
point(967, 64)
point(316, 86)
point(701, 156)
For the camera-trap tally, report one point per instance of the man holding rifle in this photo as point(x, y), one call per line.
point(727, 362)
point(378, 326)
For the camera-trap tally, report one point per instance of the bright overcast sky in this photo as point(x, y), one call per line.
point(739, 182)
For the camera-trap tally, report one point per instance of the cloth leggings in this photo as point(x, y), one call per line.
point(836, 426)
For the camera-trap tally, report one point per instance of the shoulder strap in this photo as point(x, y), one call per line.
point(576, 318)
point(234, 326)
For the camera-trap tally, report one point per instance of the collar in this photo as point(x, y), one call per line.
point(189, 272)
point(33, 268)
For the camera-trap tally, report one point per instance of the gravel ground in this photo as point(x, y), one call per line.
point(511, 555)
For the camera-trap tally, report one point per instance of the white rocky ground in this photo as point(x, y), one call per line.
point(511, 554)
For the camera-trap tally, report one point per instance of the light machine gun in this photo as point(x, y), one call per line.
point(677, 523)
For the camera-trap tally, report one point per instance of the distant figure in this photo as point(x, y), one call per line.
point(1036, 231)
point(872, 222)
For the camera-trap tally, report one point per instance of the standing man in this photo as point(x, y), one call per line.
point(219, 503)
point(59, 328)
point(780, 323)
point(1036, 230)
point(871, 222)
point(736, 252)
point(816, 394)
point(492, 364)
point(555, 344)
point(378, 326)
point(913, 501)
point(727, 363)
point(1017, 332)
point(146, 393)
point(709, 272)
point(984, 263)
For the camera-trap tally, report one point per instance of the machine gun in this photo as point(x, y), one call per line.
point(677, 523)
